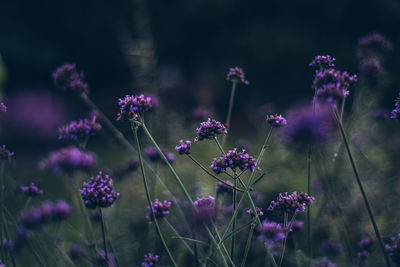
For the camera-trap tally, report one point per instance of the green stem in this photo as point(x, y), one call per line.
point(248, 243)
point(219, 146)
point(154, 219)
point(229, 115)
point(309, 208)
point(360, 185)
point(179, 236)
point(8, 239)
point(2, 221)
point(216, 246)
point(103, 233)
point(234, 220)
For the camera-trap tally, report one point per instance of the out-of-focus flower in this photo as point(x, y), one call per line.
point(199, 114)
point(160, 209)
point(276, 120)
point(224, 188)
point(323, 62)
point(331, 248)
point(234, 159)
point(132, 106)
point(3, 107)
point(392, 247)
point(5, 153)
point(271, 234)
point(183, 147)
point(79, 130)
point(31, 190)
point(297, 226)
point(373, 45)
point(209, 130)
point(371, 68)
point(291, 203)
point(101, 259)
point(324, 263)
point(150, 260)
point(126, 168)
point(69, 160)
point(205, 210)
point(236, 75)
point(37, 217)
point(67, 78)
point(155, 157)
point(76, 253)
point(99, 192)
point(258, 211)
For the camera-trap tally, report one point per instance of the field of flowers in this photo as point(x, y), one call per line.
point(315, 185)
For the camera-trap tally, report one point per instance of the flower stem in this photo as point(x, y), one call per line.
point(103, 233)
point(309, 208)
point(229, 115)
point(234, 219)
point(360, 185)
point(248, 243)
point(2, 221)
point(154, 219)
point(219, 146)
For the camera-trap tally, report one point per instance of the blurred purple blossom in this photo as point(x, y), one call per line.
point(183, 147)
point(236, 75)
point(31, 190)
point(150, 260)
point(276, 120)
point(153, 155)
point(79, 130)
point(373, 45)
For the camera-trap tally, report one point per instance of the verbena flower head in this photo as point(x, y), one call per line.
point(99, 192)
point(366, 244)
point(209, 130)
point(155, 157)
point(101, 259)
point(76, 253)
point(258, 211)
point(290, 203)
point(224, 188)
point(61, 211)
point(392, 247)
point(150, 260)
point(371, 68)
point(160, 209)
point(69, 160)
point(31, 190)
point(126, 168)
point(204, 210)
point(3, 107)
point(132, 106)
point(67, 78)
point(236, 75)
point(271, 234)
point(323, 62)
point(234, 159)
point(324, 263)
point(183, 147)
point(5, 153)
point(37, 217)
point(373, 45)
point(79, 130)
point(395, 114)
point(276, 120)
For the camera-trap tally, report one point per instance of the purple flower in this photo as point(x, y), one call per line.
point(60, 211)
point(392, 247)
point(371, 68)
point(234, 159)
point(126, 168)
point(297, 226)
point(290, 203)
point(3, 107)
point(102, 261)
point(258, 211)
point(132, 106)
point(67, 78)
point(69, 160)
point(199, 114)
point(366, 244)
point(209, 130)
point(183, 147)
point(76, 253)
point(150, 260)
point(373, 45)
point(331, 248)
point(323, 62)
point(37, 217)
point(79, 130)
point(224, 188)
point(362, 257)
point(5, 154)
point(324, 263)
point(276, 120)
point(236, 75)
point(99, 192)
point(395, 112)
point(160, 209)
point(31, 190)
point(271, 234)
point(154, 156)
point(205, 210)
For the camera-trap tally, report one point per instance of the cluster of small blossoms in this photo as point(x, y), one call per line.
point(324, 263)
point(323, 62)
point(290, 203)
point(3, 107)
point(392, 247)
point(79, 130)
point(364, 250)
point(67, 78)
point(209, 130)
point(373, 45)
point(150, 260)
point(131, 106)
point(236, 75)
point(395, 114)
point(271, 234)
point(234, 159)
point(183, 147)
point(276, 120)
point(160, 209)
point(5, 153)
point(258, 211)
point(68, 160)
point(224, 188)
point(155, 157)
point(31, 190)
point(37, 217)
point(99, 192)
point(205, 210)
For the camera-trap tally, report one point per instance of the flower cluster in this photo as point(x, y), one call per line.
point(183, 147)
point(258, 211)
point(324, 263)
point(236, 75)
point(234, 159)
point(37, 217)
point(271, 234)
point(67, 78)
point(373, 45)
point(68, 160)
point(371, 68)
point(205, 210)
point(364, 250)
point(393, 248)
point(224, 188)
point(276, 120)
point(199, 114)
point(101, 259)
point(160, 209)
point(150, 260)
point(4, 153)
point(79, 130)
point(395, 114)
point(209, 130)
point(31, 190)
point(323, 62)
point(3, 107)
point(131, 106)
point(155, 157)
point(290, 203)
point(126, 168)
point(99, 192)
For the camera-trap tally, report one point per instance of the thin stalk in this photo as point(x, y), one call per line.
point(179, 236)
point(238, 230)
point(234, 220)
point(342, 108)
point(216, 246)
point(360, 185)
point(2, 221)
point(229, 115)
point(308, 209)
point(287, 228)
point(219, 146)
point(223, 246)
point(8, 239)
point(103, 233)
point(248, 244)
point(154, 219)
